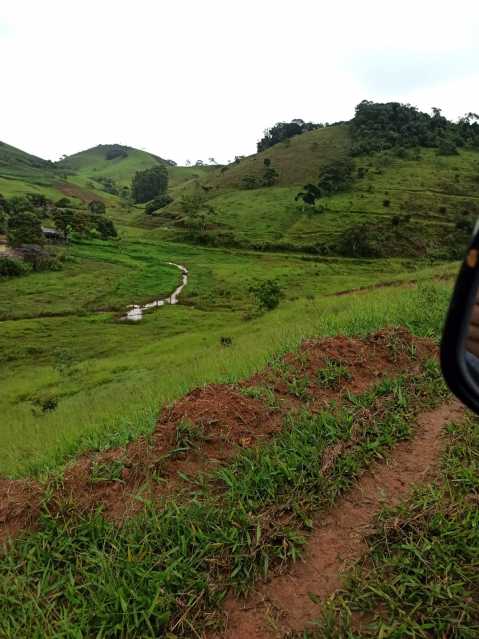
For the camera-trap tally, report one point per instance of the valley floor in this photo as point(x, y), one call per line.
point(74, 376)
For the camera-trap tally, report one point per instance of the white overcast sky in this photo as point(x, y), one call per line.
point(193, 79)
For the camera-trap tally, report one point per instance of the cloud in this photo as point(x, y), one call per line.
point(384, 71)
point(189, 79)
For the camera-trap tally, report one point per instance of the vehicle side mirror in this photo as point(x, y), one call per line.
point(460, 339)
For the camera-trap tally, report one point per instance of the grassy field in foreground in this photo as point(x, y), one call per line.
point(87, 379)
point(169, 568)
point(420, 577)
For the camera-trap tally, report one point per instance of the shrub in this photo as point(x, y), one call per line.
point(157, 203)
point(63, 202)
point(270, 176)
point(248, 182)
point(116, 152)
point(386, 203)
point(97, 207)
point(446, 147)
point(11, 267)
point(37, 200)
point(268, 294)
point(465, 224)
point(106, 228)
point(38, 258)
point(283, 131)
point(336, 176)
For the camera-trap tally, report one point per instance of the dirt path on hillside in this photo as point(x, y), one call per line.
point(290, 602)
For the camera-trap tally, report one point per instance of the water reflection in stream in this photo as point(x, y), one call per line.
point(136, 311)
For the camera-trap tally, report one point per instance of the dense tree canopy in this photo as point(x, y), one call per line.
point(378, 126)
point(24, 227)
point(283, 131)
point(149, 183)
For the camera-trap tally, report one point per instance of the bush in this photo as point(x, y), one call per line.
point(11, 267)
point(283, 131)
point(248, 182)
point(268, 294)
point(38, 258)
point(446, 147)
point(63, 203)
point(386, 203)
point(97, 207)
point(465, 224)
point(116, 152)
point(270, 176)
point(157, 203)
point(106, 228)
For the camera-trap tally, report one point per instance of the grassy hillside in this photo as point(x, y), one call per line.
point(414, 201)
point(15, 162)
point(92, 163)
point(22, 173)
point(298, 160)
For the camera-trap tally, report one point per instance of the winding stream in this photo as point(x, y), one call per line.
point(136, 311)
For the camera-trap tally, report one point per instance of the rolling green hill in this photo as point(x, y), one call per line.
point(109, 161)
point(425, 198)
point(83, 174)
point(416, 201)
point(97, 163)
point(297, 160)
point(21, 172)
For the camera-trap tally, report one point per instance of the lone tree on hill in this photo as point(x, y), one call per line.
point(197, 215)
point(309, 195)
point(149, 183)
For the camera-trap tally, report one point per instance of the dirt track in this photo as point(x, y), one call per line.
point(292, 601)
point(228, 417)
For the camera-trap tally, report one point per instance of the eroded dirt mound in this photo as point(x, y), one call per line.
point(208, 426)
point(19, 505)
point(221, 412)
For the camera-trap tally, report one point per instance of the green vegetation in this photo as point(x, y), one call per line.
point(105, 355)
point(377, 126)
point(201, 545)
point(283, 131)
point(328, 230)
point(76, 312)
point(24, 227)
point(420, 577)
point(149, 184)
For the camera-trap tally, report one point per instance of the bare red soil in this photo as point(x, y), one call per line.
point(208, 426)
point(73, 190)
point(290, 602)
